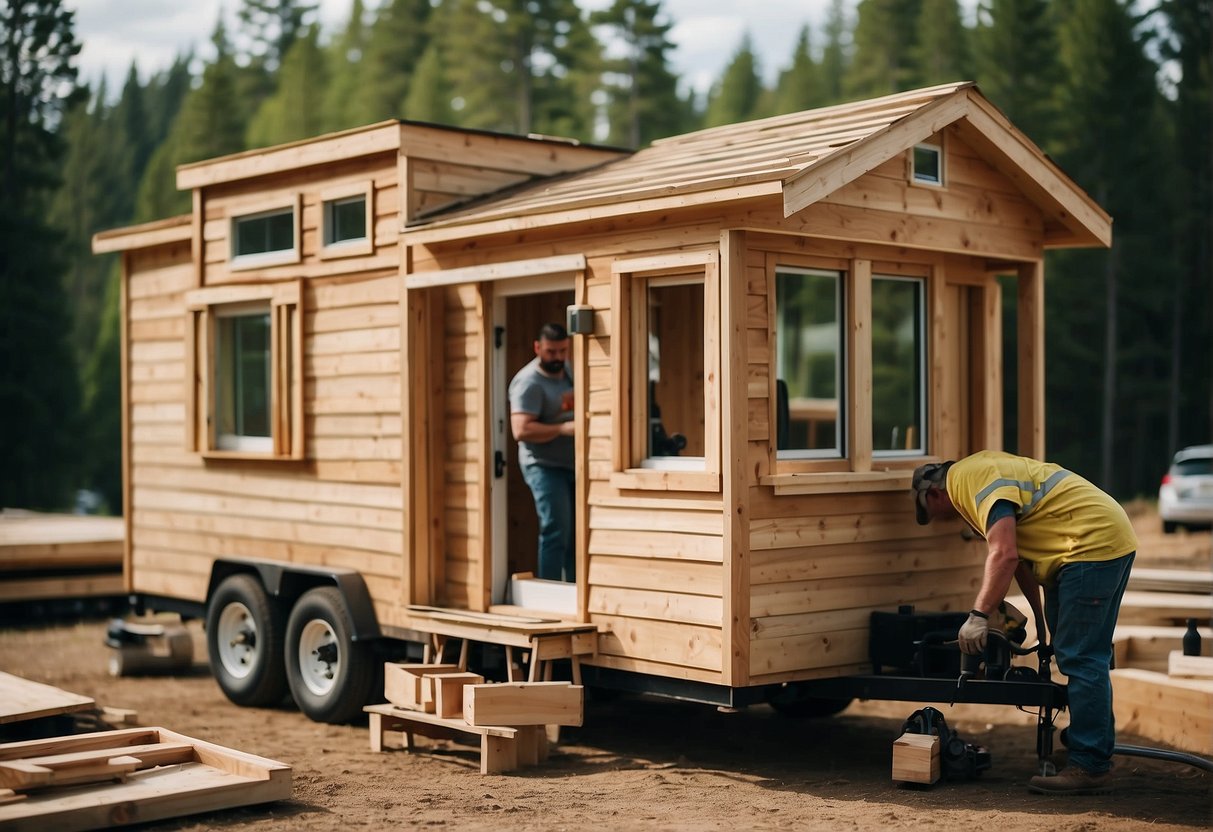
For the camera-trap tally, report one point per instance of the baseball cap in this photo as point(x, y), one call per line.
point(926, 477)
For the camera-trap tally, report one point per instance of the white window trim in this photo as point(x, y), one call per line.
point(355, 246)
point(279, 257)
point(937, 148)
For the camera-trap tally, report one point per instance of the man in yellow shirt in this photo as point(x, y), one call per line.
point(1047, 527)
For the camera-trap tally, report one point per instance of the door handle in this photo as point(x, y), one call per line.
point(498, 464)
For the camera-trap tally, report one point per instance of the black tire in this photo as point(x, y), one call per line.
point(244, 632)
point(330, 675)
point(807, 707)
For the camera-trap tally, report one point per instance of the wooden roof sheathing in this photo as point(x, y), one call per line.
point(803, 156)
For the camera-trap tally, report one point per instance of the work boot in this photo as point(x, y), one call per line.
point(1072, 780)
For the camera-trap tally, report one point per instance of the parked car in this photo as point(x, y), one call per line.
point(1185, 497)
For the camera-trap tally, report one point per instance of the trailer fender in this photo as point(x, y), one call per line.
point(288, 581)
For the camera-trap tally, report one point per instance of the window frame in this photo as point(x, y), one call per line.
point(840, 299)
point(277, 257)
point(855, 469)
point(936, 146)
point(924, 383)
point(204, 308)
point(632, 467)
point(355, 246)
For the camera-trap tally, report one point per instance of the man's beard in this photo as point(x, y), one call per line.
point(551, 367)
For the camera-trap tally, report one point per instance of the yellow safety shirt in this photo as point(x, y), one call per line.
point(1060, 517)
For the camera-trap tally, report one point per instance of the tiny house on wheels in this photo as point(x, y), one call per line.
point(772, 324)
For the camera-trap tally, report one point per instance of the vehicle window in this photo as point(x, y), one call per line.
point(1197, 467)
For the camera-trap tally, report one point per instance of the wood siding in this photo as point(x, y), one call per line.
point(341, 505)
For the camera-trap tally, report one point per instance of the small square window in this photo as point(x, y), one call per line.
point(345, 220)
point(928, 164)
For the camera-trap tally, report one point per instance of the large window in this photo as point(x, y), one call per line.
point(245, 348)
point(898, 366)
point(850, 365)
point(809, 359)
point(667, 339)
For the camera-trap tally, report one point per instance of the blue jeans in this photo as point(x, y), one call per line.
point(553, 489)
point(1081, 611)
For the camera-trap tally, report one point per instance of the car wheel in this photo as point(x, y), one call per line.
point(1169, 527)
point(244, 631)
point(330, 674)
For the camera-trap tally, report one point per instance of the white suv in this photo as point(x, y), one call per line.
point(1185, 497)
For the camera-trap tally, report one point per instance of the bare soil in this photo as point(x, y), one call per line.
point(638, 762)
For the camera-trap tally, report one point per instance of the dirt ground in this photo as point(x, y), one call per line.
point(636, 763)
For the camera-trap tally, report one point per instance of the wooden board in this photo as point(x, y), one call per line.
point(524, 703)
point(1180, 666)
point(1178, 712)
point(21, 699)
point(179, 776)
point(916, 758)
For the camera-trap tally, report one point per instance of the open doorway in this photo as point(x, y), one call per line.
point(520, 308)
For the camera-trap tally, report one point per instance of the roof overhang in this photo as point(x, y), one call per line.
point(1072, 218)
point(148, 235)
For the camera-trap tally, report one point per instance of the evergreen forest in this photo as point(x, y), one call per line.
point(1117, 93)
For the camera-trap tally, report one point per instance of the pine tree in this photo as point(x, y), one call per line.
point(799, 86)
point(394, 46)
point(941, 49)
point(39, 400)
point(211, 122)
point(885, 40)
point(1106, 94)
point(736, 96)
point(345, 66)
point(835, 55)
point(643, 102)
point(521, 66)
point(1015, 60)
point(273, 26)
point(1187, 40)
point(429, 96)
point(294, 111)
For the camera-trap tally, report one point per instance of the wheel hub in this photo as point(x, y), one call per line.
point(237, 640)
point(319, 657)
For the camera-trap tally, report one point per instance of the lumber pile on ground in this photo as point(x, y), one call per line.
point(53, 556)
point(110, 778)
point(441, 702)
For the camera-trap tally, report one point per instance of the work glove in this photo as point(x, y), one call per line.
point(972, 635)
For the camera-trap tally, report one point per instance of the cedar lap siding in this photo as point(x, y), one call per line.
point(742, 568)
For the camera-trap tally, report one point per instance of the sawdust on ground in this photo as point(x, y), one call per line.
point(637, 763)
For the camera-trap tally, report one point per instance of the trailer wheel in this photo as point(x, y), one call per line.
point(244, 629)
point(329, 673)
point(790, 704)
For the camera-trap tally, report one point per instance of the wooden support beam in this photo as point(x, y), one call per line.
point(1031, 363)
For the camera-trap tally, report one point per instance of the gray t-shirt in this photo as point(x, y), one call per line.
point(533, 392)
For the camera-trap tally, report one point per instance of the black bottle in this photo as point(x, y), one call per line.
point(1191, 639)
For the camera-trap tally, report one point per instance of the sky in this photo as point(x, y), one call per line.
point(706, 33)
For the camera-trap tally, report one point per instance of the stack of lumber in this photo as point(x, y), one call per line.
point(51, 556)
point(22, 700)
point(442, 702)
point(1159, 693)
point(111, 778)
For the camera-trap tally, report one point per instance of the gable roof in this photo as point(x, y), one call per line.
point(801, 156)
